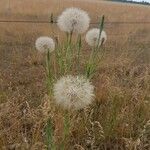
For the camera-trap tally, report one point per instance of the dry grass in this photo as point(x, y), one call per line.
point(116, 119)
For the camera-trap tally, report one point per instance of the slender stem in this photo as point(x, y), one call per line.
point(66, 129)
point(49, 135)
point(67, 35)
point(90, 63)
point(70, 37)
point(91, 67)
point(49, 75)
point(60, 61)
point(79, 44)
point(69, 52)
point(101, 27)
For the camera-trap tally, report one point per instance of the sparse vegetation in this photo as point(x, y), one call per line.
point(119, 117)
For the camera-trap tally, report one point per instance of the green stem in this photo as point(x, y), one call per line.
point(79, 44)
point(101, 27)
point(70, 37)
point(49, 75)
point(91, 65)
point(49, 135)
point(60, 61)
point(66, 129)
point(69, 52)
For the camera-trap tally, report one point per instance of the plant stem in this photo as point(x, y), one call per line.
point(79, 44)
point(66, 129)
point(91, 65)
point(69, 53)
point(49, 75)
point(49, 135)
point(101, 27)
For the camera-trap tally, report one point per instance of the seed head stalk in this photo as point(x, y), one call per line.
point(60, 60)
point(101, 27)
point(79, 46)
point(66, 129)
point(49, 73)
point(69, 51)
point(91, 65)
point(49, 135)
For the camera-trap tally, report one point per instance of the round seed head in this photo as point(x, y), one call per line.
point(73, 92)
point(73, 20)
point(92, 37)
point(43, 44)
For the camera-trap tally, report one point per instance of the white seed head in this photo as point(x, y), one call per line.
point(92, 37)
point(43, 44)
point(73, 92)
point(73, 20)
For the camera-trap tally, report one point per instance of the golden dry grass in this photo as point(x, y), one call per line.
point(122, 104)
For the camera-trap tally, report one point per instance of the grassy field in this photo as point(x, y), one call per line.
point(118, 119)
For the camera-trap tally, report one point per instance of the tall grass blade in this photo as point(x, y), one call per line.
point(49, 135)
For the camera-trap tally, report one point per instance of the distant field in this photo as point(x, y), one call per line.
point(37, 10)
point(114, 11)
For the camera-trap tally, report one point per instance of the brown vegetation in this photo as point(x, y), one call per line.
point(121, 111)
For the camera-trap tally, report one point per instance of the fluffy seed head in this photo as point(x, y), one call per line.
point(43, 44)
point(73, 92)
point(73, 20)
point(92, 37)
